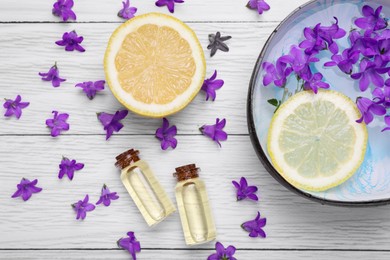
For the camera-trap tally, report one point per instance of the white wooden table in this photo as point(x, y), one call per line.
point(45, 226)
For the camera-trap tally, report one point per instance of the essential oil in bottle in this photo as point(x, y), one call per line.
point(193, 203)
point(144, 188)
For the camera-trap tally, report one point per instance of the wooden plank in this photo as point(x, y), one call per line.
point(103, 10)
point(36, 52)
point(47, 220)
point(189, 254)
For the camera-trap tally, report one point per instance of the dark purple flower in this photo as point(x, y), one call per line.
point(127, 12)
point(169, 3)
point(111, 122)
point(91, 88)
point(245, 191)
point(382, 95)
point(68, 167)
point(166, 135)
point(364, 44)
point(345, 61)
point(369, 72)
point(372, 20)
point(107, 196)
point(71, 41)
point(215, 132)
point(254, 227)
point(315, 83)
point(367, 108)
point(82, 207)
point(58, 123)
point(63, 9)
point(223, 253)
point(14, 107)
point(299, 61)
point(130, 244)
point(259, 5)
point(211, 85)
point(387, 122)
point(26, 188)
point(53, 76)
point(277, 74)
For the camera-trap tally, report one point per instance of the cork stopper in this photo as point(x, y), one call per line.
point(126, 158)
point(186, 172)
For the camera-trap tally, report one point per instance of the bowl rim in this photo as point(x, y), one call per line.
point(258, 148)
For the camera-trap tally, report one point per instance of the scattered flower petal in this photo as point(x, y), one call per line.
point(111, 122)
point(14, 107)
point(260, 5)
point(223, 253)
point(130, 244)
point(244, 191)
point(53, 76)
point(217, 43)
point(68, 167)
point(215, 132)
point(63, 9)
point(169, 3)
point(58, 123)
point(254, 227)
point(127, 12)
point(367, 108)
point(71, 41)
point(211, 85)
point(82, 207)
point(91, 88)
point(166, 135)
point(107, 196)
point(26, 188)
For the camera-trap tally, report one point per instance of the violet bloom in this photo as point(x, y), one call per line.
point(130, 244)
point(91, 88)
point(111, 122)
point(387, 122)
point(277, 74)
point(107, 196)
point(127, 12)
point(58, 123)
point(254, 227)
point(71, 41)
point(345, 61)
point(14, 107)
point(315, 82)
point(169, 3)
point(245, 191)
point(53, 76)
point(260, 5)
point(223, 253)
point(298, 60)
point(331, 33)
point(63, 9)
point(372, 20)
point(166, 135)
point(370, 72)
point(68, 167)
point(82, 207)
point(215, 132)
point(26, 189)
point(211, 85)
point(382, 95)
point(367, 108)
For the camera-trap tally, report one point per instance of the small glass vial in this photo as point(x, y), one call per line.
point(193, 203)
point(144, 188)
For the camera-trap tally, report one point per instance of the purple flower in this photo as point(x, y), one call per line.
point(210, 85)
point(169, 3)
point(53, 76)
point(372, 20)
point(299, 61)
point(345, 61)
point(26, 189)
point(166, 135)
point(63, 9)
point(130, 244)
point(14, 107)
point(254, 227)
point(82, 207)
point(260, 5)
point(127, 12)
point(58, 123)
point(215, 132)
point(313, 42)
point(107, 196)
point(91, 88)
point(369, 72)
point(387, 122)
point(71, 41)
point(68, 167)
point(382, 95)
point(245, 191)
point(315, 82)
point(367, 108)
point(223, 253)
point(111, 122)
point(277, 74)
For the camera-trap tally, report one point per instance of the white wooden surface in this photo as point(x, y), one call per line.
point(45, 228)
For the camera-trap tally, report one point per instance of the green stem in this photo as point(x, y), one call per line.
point(285, 92)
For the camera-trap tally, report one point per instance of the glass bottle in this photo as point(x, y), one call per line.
point(144, 188)
point(193, 203)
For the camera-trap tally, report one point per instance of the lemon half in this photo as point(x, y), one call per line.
point(154, 64)
point(314, 141)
